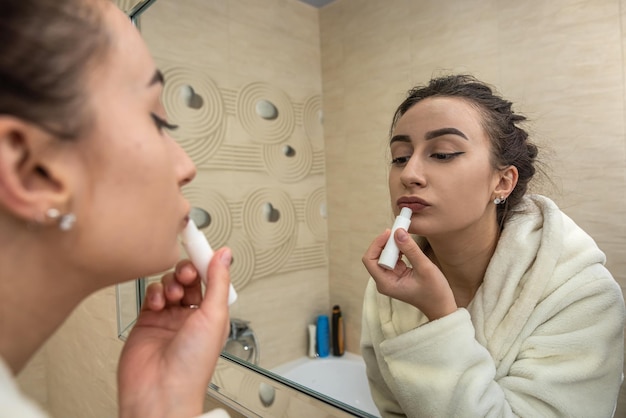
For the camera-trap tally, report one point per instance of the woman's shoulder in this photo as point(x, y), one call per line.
point(543, 249)
point(543, 227)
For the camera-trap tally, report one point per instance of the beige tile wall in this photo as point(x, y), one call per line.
point(561, 62)
point(74, 374)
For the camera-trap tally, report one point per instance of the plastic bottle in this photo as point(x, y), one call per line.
point(338, 332)
point(323, 336)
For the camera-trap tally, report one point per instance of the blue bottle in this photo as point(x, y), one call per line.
point(323, 336)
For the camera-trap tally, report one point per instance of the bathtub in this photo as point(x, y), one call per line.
point(342, 378)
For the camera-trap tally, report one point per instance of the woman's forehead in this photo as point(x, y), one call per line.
point(129, 62)
point(440, 112)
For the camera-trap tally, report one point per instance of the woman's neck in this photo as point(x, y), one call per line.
point(32, 307)
point(463, 259)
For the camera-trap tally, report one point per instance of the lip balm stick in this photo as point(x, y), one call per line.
point(200, 253)
point(389, 257)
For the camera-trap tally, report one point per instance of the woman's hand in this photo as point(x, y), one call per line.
point(170, 355)
point(423, 285)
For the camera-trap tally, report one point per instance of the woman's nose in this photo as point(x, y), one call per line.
point(413, 173)
point(185, 167)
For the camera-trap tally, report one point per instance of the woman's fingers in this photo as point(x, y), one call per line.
point(188, 278)
point(186, 273)
point(409, 248)
point(215, 303)
point(372, 254)
point(183, 287)
point(218, 278)
point(173, 290)
point(155, 298)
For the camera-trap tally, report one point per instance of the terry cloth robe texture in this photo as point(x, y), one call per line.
point(543, 336)
point(12, 402)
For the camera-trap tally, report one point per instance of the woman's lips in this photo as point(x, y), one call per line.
point(415, 204)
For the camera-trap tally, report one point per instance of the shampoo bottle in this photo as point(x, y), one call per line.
point(323, 336)
point(338, 332)
point(312, 340)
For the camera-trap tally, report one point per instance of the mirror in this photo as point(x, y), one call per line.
point(260, 188)
point(299, 200)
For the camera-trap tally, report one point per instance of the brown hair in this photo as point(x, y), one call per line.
point(46, 49)
point(509, 142)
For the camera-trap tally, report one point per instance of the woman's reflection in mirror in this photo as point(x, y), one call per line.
point(501, 305)
point(90, 196)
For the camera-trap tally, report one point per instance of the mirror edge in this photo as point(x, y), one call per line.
point(136, 11)
point(309, 399)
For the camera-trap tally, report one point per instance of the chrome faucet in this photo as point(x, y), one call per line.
point(242, 341)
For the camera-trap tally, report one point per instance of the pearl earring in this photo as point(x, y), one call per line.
point(499, 200)
point(66, 222)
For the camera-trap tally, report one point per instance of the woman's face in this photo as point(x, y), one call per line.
point(128, 203)
point(441, 168)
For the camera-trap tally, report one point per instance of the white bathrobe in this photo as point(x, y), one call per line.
point(543, 337)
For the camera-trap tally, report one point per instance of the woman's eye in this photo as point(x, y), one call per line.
point(400, 161)
point(443, 156)
point(162, 123)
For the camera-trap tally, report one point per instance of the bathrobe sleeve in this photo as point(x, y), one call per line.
point(12, 402)
point(382, 396)
point(566, 361)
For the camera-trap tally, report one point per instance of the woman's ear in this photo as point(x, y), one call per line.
point(507, 182)
point(31, 178)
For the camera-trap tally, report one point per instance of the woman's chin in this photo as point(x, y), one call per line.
point(163, 264)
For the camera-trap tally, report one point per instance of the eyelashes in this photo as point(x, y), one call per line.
point(439, 156)
point(400, 160)
point(162, 123)
point(446, 156)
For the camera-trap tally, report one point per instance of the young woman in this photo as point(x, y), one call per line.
point(502, 305)
point(90, 196)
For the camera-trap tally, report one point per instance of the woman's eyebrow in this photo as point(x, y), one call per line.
point(400, 138)
point(444, 131)
point(157, 78)
point(430, 135)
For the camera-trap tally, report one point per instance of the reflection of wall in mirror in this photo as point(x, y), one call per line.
point(248, 101)
point(127, 5)
point(560, 62)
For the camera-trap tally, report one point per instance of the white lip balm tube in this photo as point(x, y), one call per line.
point(389, 256)
point(200, 253)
